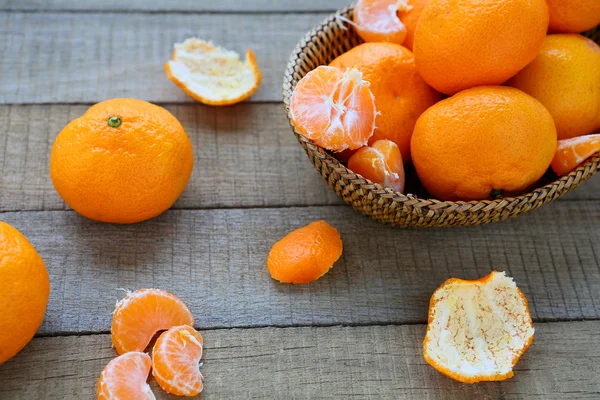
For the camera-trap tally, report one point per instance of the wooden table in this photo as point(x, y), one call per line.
point(357, 332)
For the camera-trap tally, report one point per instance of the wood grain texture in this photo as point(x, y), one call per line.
point(176, 5)
point(377, 362)
point(85, 58)
point(215, 261)
point(245, 156)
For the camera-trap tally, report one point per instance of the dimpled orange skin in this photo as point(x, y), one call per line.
point(126, 174)
point(460, 44)
point(483, 139)
point(573, 16)
point(401, 95)
point(24, 290)
point(410, 19)
point(565, 78)
point(306, 254)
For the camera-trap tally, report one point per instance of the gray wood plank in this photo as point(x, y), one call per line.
point(376, 362)
point(215, 261)
point(245, 156)
point(88, 57)
point(175, 5)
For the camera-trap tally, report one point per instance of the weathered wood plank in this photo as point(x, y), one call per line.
point(175, 5)
point(215, 261)
point(246, 156)
point(82, 58)
point(377, 362)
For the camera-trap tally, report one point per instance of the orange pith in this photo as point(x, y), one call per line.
point(141, 314)
point(211, 74)
point(401, 95)
point(305, 254)
point(565, 78)
point(477, 330)
point(507, 148)
point(377, 20)
point(124, 378)
point(573, 16)
point(123, 161)
point(571, 153)
point(459, 44)
point(24, 291)
point(175, 361)
point(381, 163)
point(334, 108)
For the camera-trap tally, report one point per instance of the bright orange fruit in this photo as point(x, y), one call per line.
point(306, 254)
point(175, 361)
point(401, 95)
point(334, 108)
point(211, 74)
point(565, 78)
point(141, 314)
point(123, 161)
point(573, 16)
point(571, 153)
point(483, 142)
point(410, 18)
point(377, 20)
point(477, 330)
point(460, 44)
point(24, 291)
point(124, 378)
point(381, 163)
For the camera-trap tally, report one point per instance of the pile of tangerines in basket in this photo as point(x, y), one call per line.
point(481, 96)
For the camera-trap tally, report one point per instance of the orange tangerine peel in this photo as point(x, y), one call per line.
point(141, 314)
point(477, 329)
point(570, 153)
point(211, 74)
point(334, 108)
point(124, 377)
point(175, 361)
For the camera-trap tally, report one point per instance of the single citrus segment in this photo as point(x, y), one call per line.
point(477, 330)
point(334, 108)
point(141, 314)
point(460, 44)
point(571, 153)
point(401, 95)
point(123, 161)
point(565, 78)
point(211, 74)
point(24, 291)
point(483, 142)
point(124, 378)
point(306, 254)
point(377, 20)
point(175, 361)
point(573, 16)
point(381, 163)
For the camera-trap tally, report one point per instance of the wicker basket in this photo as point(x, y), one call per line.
point(319, 47)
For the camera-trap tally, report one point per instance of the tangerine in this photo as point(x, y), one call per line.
point(571, 153)
point(124, 378)
point(380, 163)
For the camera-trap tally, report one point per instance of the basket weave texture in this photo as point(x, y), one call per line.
point(332, 38)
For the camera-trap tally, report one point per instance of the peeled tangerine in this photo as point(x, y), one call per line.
point(125, 378)
point(141, 314)
point(477, 329)
point(334, 108)
point(571, 153)
point(381, 163)
point(211, 74)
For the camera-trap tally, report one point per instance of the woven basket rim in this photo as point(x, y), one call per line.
point(591, 164)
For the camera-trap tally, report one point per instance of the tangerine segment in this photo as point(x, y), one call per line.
point(381, 163)
point(144, 312)
point(477, 329)
point(306, 254)
point(334, 108)
point(211, 74)
point(571, 153)
point(175, 360)
point(377, 20)
point(124, 378)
